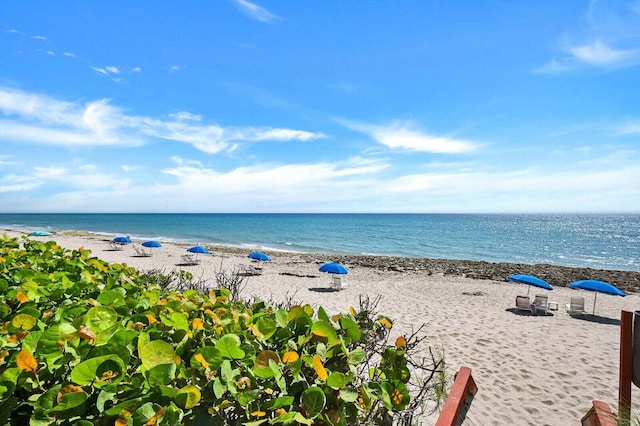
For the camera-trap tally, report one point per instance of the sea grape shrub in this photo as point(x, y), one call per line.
point(88, 342)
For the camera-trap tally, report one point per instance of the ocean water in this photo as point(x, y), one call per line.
point(583, 240)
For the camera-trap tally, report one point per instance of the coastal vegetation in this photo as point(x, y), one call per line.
point(88, 342)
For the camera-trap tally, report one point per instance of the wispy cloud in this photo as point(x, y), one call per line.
point(630, 128)
point(599, 54)
point(39, 119)
point(404, 136)
point(607, 40)
point(14, 183)
point(174, 69)
point(256, 12)
point(69, 54)
point(110, 71)
point(39, 37)
point(184, 115)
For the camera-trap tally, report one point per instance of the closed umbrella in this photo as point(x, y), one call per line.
point(597, 287)
point(40, 234)
point(530, 280)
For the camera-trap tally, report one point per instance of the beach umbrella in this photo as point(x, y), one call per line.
point(334, 268)
point(198, 250)
point(122, 240)
point(151, 244)
point(40, 234)
point(262, 257)
point(530, 280)
point(597, 287)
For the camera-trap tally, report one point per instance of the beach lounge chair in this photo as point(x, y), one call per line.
point(576, 306)
point(140, 252)
point(116, 246)
point(337, 283)
point(188, 259)
point(523, 303)
point(541, 303)
point(248, 270)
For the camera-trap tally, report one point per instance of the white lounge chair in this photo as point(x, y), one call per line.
point(140, 252)
point(116, 246)
point(337, 283)
point(541, 303)
point(523, 303)
point(575, 306)
point(248, 270)
point(188, 259)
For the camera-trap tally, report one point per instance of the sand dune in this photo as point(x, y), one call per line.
point(542, 370)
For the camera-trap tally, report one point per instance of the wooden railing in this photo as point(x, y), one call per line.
point(459, 399)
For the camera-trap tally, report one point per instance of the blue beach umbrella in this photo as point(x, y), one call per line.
point(40, 234)
point(122, 240)
point(152, 244)
point(597, 287)
point(198, 250)
point(334, 268)
point(530, 280)
point(262, 257)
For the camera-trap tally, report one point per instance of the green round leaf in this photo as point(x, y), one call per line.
point(100, 318)
point(99, 371)
point(324, 329)
point(229, 347)
point(337, 380)
point(156, 352)
point(161, 375)
point(188, 397)
point(267, 327)
point(314, 401)
point(113, 298)
point(350, 326)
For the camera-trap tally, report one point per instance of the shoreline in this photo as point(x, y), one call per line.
point(556, 275)
point(527, 367)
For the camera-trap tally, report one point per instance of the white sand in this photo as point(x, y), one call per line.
point(542, 370)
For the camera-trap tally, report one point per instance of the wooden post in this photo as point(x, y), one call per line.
point(626, 365)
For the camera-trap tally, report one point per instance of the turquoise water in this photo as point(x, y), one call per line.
point(596, 241)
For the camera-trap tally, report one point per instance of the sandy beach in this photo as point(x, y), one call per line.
point(542, 370)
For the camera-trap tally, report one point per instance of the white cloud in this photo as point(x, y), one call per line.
point(51, 53)
point(102, 71)
point(17, 183)
point(43, 120)
point(631, 128)
point(113, 70)
point(185, 116)
point(69, 54)
point(39, 37)
point(85, 177)
point(184, 162)
point(351, 185)
point(174, 68)
point(403, 136)
point(256, 12)
point(14, 31)
point(599, 54)
point(136, 69)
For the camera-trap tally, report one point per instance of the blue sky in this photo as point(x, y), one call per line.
point(331, 106)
